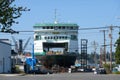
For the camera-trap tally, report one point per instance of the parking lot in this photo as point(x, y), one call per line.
point(61, 76)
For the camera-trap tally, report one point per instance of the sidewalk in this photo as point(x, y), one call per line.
point(12, 74)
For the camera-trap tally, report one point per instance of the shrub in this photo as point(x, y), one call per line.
point(118, 72)
point(107, 67)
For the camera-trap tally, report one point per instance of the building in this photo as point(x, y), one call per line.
point(5, 56)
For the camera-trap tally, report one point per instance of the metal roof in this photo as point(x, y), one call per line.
point(5, 41)
point(53, 24)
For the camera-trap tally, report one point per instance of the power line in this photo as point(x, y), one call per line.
point(93, 28)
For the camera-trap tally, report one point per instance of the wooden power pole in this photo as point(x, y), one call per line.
point(104, 31)
point(110, 35)
point(95, 45)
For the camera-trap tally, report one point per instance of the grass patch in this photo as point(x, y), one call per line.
point(118, 72)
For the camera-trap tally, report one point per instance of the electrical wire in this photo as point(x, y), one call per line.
point(93, 28)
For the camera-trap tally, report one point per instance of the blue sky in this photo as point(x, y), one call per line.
point(86, 13)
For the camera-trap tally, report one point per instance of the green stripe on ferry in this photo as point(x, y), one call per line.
point(50, 24)
point(39, 53)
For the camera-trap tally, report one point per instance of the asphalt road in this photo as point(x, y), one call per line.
point(62, 76)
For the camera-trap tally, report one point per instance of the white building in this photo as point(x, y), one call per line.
point(5, 56)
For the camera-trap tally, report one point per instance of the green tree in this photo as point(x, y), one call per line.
point(117, 52)
point(8, 13)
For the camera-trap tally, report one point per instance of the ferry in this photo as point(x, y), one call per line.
point(56, 43)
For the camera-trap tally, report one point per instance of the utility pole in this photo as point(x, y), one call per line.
point(94, 44)
point(110, 35)
point(104, 31)
point(119, 27)
point(101, 59)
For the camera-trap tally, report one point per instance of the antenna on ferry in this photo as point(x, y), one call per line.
point(55, 17)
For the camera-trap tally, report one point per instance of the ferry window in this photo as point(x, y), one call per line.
point(65, 37)
point(43, 27)
point(63, 27)
point(37, 37)
point(68, 27)
point(45, 37)
point(73, 37)
point(59, 27)
point(59, 37)
point(51, 27)
point(54, 37)
point(48, 37)
point(51, 37)
point(62, 37)
point(76, 27)
point(55, 27)
point(71, 27)
point(47, 27)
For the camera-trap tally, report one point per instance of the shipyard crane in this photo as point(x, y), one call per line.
point(26, 44)
point(15, 44)
point(17, 48)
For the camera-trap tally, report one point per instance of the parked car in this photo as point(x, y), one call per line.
point(40, 70)
point(100, 71)
point(45, 71)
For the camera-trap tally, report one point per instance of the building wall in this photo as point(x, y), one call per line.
point(5, 54)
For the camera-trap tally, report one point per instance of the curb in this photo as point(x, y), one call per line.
point(12, 74)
